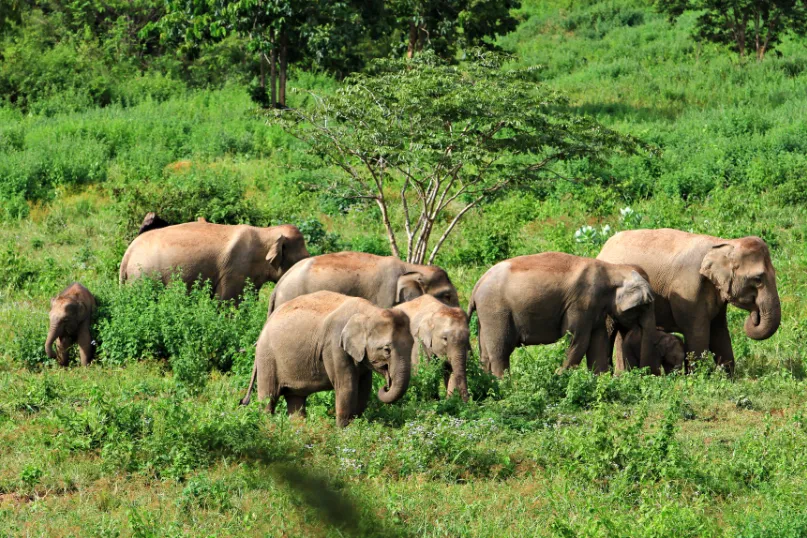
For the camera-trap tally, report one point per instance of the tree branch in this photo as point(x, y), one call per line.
point(451, 227)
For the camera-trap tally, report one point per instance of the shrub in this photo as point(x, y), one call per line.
point(184, 194)
point(145, 319)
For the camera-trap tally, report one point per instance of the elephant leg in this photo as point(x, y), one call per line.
point(621, 362)
point(295, 405)
point(62, 350)
point(84, 341)
point(581, 337)
point(720, 343)
point(365, 388)
point(498, 338)
point(696, 341)
point(230, 287)
point(597, 357)
point(347, 396)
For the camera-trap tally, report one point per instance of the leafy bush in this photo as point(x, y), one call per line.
point(186, 193)
point(167, 438)
point(145, 319)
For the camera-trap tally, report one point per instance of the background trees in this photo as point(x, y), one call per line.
point(429, 141)
point(749, 26)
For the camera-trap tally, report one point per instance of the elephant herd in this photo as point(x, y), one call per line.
point(334, 319)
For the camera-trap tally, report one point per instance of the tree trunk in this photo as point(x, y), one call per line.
point(413, 37)
point(284, 64)
point(263, 70)
point(273, 69)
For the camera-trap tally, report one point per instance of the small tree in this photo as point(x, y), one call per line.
point(751, 26)
point(433, 140)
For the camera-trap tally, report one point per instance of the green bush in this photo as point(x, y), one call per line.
point(145, 319)
point(208, 191)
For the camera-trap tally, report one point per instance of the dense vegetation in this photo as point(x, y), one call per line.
point(149, 441)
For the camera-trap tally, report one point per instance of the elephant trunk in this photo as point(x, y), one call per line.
point(54, 332)
point(764, 321)
point(398, 377)
point(458, 380)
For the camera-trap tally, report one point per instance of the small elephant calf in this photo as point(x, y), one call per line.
point(669, 347)
point(443, 331)
point(71, 314)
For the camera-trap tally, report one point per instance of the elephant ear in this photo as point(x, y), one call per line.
point(424, 333)
point(634, 291)
point(410, 286)
point(353, 339)
point(718, 267)
point(275, 254)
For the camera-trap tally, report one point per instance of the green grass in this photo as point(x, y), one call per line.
point(155, 445)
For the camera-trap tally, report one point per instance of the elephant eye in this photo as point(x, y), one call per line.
point(387, 350)
point(756, 280)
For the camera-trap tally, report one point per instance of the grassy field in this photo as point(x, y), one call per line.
point(149, 441)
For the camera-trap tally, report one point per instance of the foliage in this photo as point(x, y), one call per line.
point(443, 26)
point(749, 26)
point(144, 319)
point(446, 137)
point(185, 194)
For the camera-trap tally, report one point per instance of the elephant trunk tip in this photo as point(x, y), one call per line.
point(764, 320)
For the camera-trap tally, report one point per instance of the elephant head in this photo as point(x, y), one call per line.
point(671, 350)
point(426, 280)
point(65, 316)
point(285, 250)
point(445, 334)
point(633, 306)
point(743, 274)
point(384, 341)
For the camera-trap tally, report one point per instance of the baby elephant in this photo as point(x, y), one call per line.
point(71, 314)
point(443, 331)
point(669, 348)
point(329, 341)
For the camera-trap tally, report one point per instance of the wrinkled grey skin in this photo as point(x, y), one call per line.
point(71, 315)
point(443, 332)
point(669, 347)
point(225, 255)
point(695, 277)
point(328, 341)
point(537, 299)
point(383, 280)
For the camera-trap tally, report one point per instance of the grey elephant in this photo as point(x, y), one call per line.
point(443, 332)
point(383, 280)
point(537, 299)
point(224, 254)
point(669, 348)
point(71, 315)
point(695, 277)
point(329, 341)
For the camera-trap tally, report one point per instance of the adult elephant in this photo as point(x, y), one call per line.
point(226, 255)
point(383, 280)
point(537, 299)
point(695, 277)
point(329, 341)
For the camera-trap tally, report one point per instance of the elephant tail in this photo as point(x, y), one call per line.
point(246, 399)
